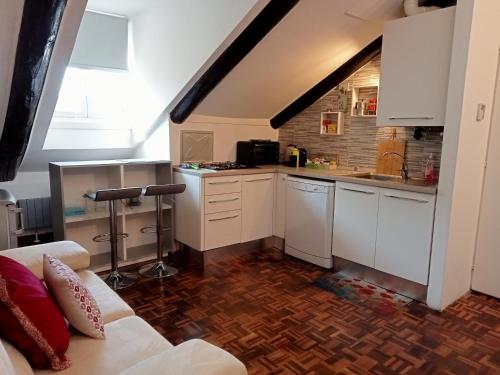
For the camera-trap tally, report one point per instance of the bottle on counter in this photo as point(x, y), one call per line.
point(430, 171)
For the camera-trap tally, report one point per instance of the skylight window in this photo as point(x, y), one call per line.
point(95, 97)
point(94, 105)
point(91, 111)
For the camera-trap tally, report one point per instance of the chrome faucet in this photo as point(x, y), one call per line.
point(404, 170)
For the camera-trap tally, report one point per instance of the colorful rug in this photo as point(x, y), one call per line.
point(382, 301)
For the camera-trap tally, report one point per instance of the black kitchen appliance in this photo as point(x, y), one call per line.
point(302, 159)
point(257, 152)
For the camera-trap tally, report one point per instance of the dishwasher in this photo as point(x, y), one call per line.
point(309, 220)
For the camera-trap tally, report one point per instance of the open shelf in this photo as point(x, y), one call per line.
point(97, 215)
point(364, 101)
point(144, 208)
point(71, 181)
point(332, 123)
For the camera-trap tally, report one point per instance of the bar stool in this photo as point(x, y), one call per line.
point(160, 269)
point(116, 279)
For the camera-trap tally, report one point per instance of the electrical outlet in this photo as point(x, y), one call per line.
point(481, 109)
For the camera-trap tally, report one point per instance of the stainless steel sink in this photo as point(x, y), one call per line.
point(381, 177)
point(396, 179)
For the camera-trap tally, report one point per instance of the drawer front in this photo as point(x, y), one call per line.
point(222, 202)
point(222, 185)
point(222, 229)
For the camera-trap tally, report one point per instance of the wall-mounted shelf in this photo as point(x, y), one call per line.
point(364, 101)
point(332, 123)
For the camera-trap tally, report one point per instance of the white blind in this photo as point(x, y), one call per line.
point(101, 42)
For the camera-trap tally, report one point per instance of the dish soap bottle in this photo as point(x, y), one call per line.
point(430, 171)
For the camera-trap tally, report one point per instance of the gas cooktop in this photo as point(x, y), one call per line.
point(215, 166)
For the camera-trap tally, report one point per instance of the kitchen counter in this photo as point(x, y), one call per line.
point(344, 175)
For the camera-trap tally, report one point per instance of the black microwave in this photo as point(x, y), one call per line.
point(257, 152)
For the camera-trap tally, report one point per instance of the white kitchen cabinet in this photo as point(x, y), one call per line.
point(257, 195)
point(222, 202)
point(404, 234)
point(415, 67)
point(222, 229)
point(280, 204)
point(355, 223)
point(222, 185)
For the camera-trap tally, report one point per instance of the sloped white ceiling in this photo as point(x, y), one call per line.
point(314, 39)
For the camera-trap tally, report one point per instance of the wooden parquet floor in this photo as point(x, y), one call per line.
point(263, 308)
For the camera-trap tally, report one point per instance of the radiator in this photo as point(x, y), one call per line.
point(36, 213)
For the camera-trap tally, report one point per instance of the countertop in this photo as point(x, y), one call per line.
point(343, 175)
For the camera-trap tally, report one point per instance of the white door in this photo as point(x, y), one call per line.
point(404, 234)
point(355, 223)
point(486, 275)
point(280, 205)
point(257, 204)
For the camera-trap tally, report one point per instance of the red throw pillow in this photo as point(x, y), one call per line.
point(29, 318)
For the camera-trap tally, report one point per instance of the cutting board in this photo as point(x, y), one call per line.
point(390, 164)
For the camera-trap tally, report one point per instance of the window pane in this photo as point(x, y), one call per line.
point(71, 101)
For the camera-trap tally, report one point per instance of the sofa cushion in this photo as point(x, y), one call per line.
point(111, 305)
point(128, 341)
point(70, 253)
point(6, 366)
point(19, 362)
point(30, 319)
point(193, 357)
point(75, 300)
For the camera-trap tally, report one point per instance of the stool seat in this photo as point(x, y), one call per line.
point(114, 194)
point(153, 190)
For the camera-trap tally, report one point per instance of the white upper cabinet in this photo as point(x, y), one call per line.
point(355, 223)
point(257, 206)
point(416, 55)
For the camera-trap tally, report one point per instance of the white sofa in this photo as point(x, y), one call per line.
point(131, 346)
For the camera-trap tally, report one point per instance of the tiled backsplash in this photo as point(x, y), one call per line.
point(357, 147)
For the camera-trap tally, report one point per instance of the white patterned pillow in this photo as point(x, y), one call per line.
point(74, 299)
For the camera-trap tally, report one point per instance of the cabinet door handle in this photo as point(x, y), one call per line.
point(259, 179)
point(358, 191)
point(222, 182)
point(411, 118)
point(406, 198)
point(223, 200)
point(223, 218)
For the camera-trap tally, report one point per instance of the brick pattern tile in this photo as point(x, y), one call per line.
point(358, 146)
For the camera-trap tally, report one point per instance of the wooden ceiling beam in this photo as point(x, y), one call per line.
point(39, 27)
point(260, 26)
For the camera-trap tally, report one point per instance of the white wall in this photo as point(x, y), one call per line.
point(472, 81)
point(29, 185)
point(227, 131)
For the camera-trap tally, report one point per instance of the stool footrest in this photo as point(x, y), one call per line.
point(153, 229)
point(107, 237)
